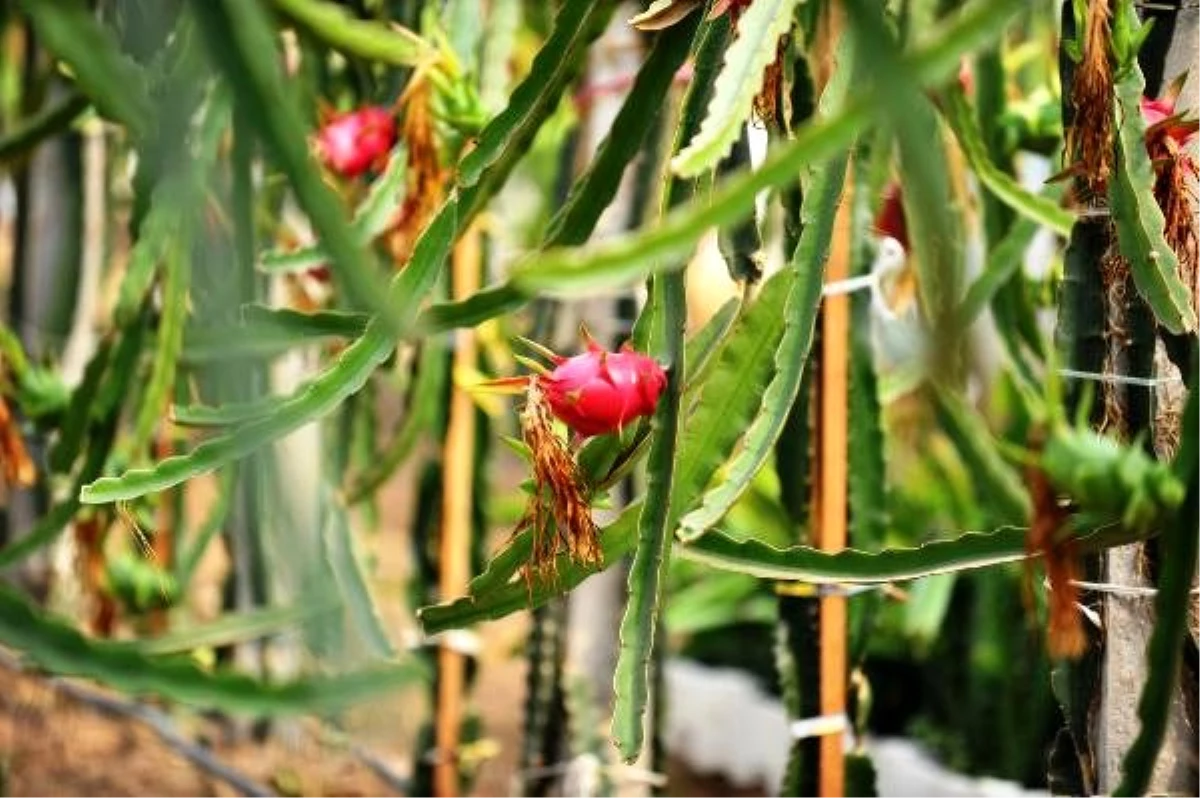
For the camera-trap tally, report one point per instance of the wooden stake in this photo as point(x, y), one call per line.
point(829, 507)
point(454, 560)
point(830, 503)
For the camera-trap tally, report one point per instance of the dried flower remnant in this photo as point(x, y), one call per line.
point(659, 16)
point(1089, 138)
point(766, 102)
point(353, 142)
point(1168, 135)
point(662, 14)
point(1065, 636)
point(426, 176)
point(19, 469)
point(1166, 130)
point(593, 393)
point(733, 8)
point(90, 532)
point(566, 524)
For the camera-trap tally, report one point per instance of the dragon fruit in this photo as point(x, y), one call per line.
point(598, 391)
point(353, 142)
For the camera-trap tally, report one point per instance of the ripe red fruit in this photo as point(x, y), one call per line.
point(355, 141)
point(1162, 123)
point(890, 219)
point(1155, 111)
point(598, 392)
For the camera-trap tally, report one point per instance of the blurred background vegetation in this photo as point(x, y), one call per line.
point(244, 438)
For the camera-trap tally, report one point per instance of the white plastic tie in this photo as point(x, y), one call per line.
point(1184, 6)
point(1119, 379)
point(460, 641)
point(829, 590)
point(1129, 591)
point(889, 259)
point(1092, 616)
point(851, 284)
point(819, 726)
point(587, 763)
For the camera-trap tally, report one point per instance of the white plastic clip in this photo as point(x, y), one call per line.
point(889, 259)
point(458, 640)
point(819, 726)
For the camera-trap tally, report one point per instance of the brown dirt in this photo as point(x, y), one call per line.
point(52, 744)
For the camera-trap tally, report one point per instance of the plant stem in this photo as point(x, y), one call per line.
point(49, 121)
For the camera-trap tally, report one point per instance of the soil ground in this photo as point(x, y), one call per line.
point(52, 744)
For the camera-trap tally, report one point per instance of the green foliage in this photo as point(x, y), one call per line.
point(319, 396)
point(1002, 486)
point(578, 24)
point(216, 110)
point(933, 225)
point(419, 419)
point(824, 190)
point(371, 218)
point(53, 645)
point(1138, 219)
point(656, 526)
point(176, 278)
point(1002, 186)
point(241, 41)
point(47, 122)
point(867, 480)
point(139, 584)
point(1004, 263)
point(1112, 483)
point(746, 60)
point(806, 564)
point(228, 629)
point(595, 189)
point(110, 79)
point(265, 332)
point(390, 44)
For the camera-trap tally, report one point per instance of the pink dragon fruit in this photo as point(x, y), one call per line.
point(353, 142)
point(598, 392)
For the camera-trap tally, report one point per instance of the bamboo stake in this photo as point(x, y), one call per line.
point(830, 509)
point(454, 560)
point(832, 448)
